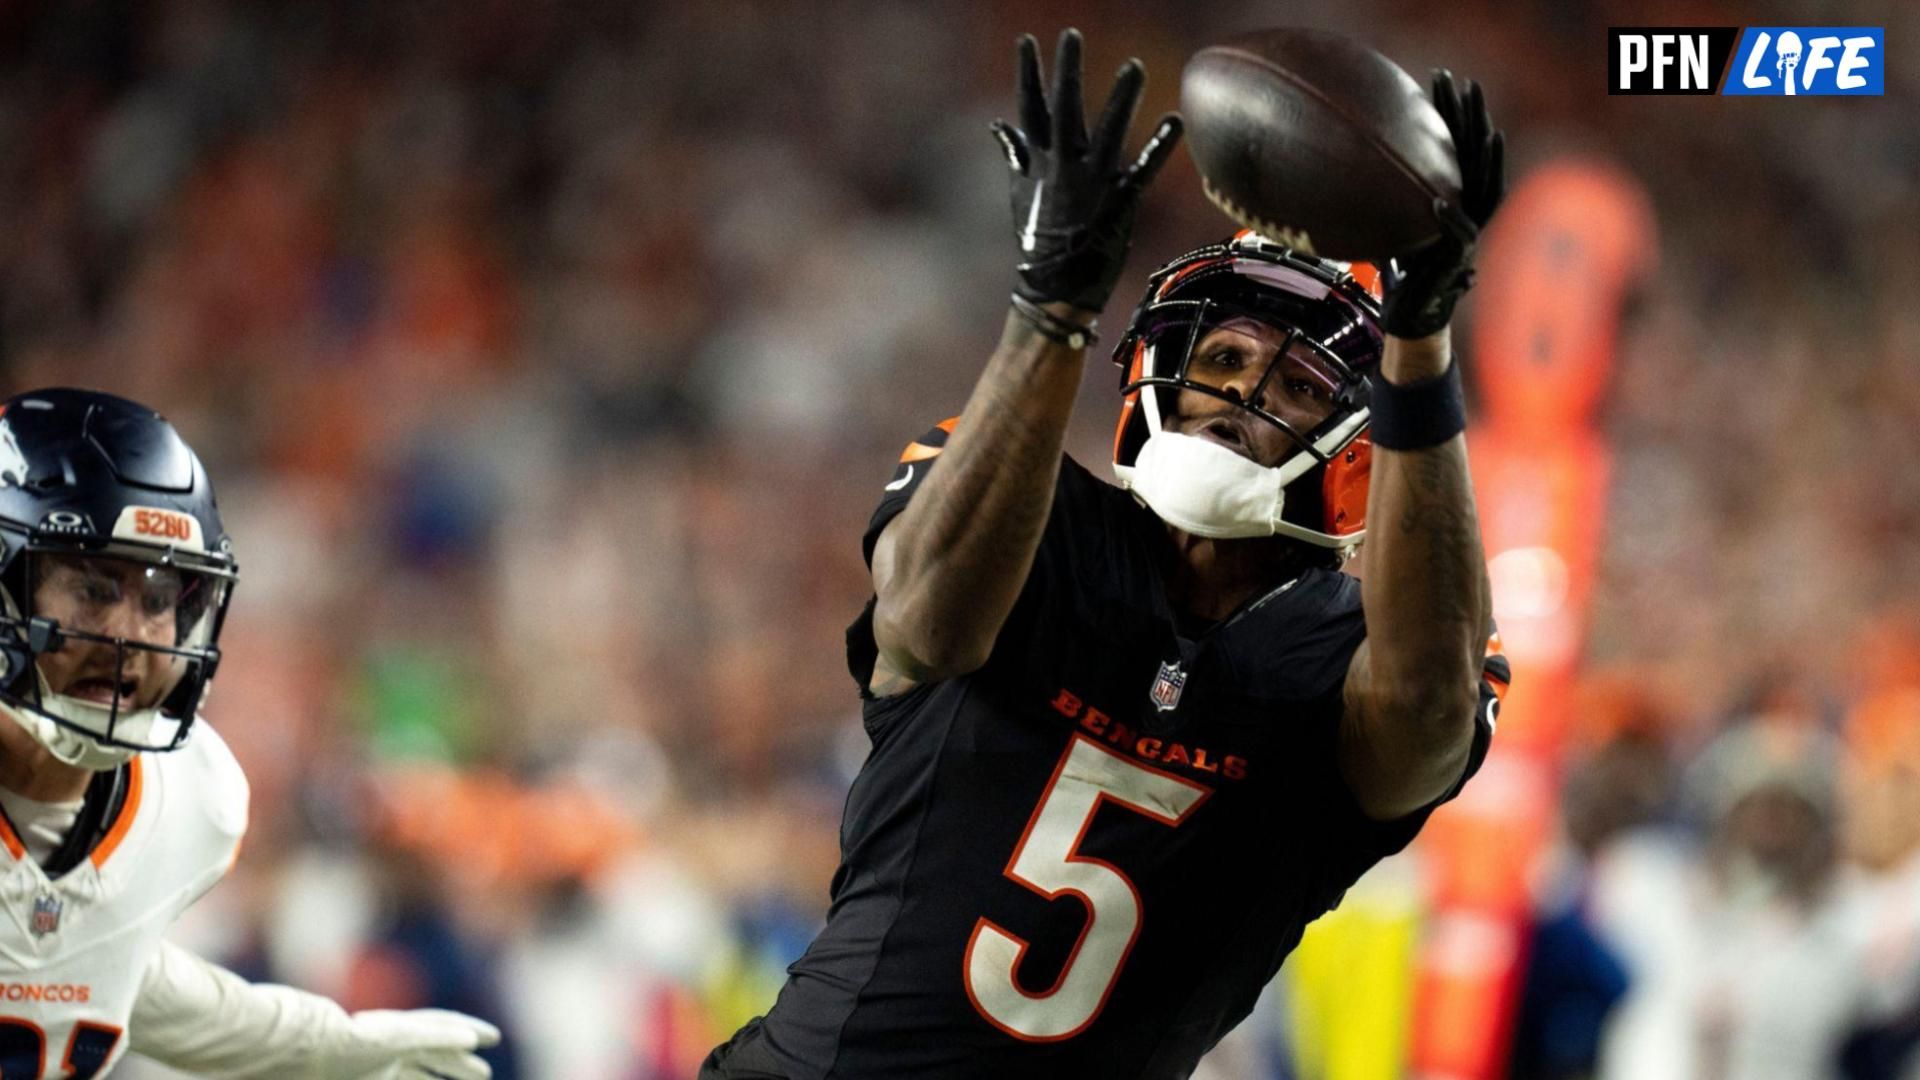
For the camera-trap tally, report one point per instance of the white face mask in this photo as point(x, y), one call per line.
point(144, 726)
point(1199, 486)
point(1206, 489)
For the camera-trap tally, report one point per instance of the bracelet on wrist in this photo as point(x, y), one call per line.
point(1052, 327)
point(1417, 415)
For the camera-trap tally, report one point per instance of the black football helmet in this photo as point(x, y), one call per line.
point(1330, 314)
point(90, 480)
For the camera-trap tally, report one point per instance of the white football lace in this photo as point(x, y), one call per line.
point(1285, 235)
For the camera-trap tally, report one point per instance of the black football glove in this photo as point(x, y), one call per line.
point(1073, 196)
point(1423, 287)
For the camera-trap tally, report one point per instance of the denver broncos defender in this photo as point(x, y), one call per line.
point(119, 807)
point(1128, 741)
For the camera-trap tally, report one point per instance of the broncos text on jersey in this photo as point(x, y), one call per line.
point(74, 948)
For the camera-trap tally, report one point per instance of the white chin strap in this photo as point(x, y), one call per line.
point(147, 727)
point(1204, 488)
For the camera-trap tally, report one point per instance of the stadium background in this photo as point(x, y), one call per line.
point(548, 359)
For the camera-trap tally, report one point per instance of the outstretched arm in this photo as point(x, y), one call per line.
point(1414, 684)
point(1415, 681)
point(198, 1017)
point(947, 571)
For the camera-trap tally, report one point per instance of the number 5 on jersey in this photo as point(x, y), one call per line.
point(1046, 861)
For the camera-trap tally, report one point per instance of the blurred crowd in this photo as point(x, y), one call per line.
point(549, 357)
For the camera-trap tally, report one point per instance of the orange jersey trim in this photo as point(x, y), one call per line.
point(128, 811)
point(1493, 679)
point(7, 836)
point(1499, 688)
point(919, 451)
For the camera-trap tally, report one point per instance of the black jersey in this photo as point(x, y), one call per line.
point(1086, 858)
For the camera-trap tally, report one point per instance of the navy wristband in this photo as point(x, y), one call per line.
point(1417, 415)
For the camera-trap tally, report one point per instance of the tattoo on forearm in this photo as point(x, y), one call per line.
point(1439, 516)
point(991, 497)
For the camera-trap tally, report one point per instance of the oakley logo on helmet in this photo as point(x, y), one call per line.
point(13, 463)
point(153, 525)
point(66, 522)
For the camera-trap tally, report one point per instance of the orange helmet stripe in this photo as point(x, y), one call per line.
point(1344, 488)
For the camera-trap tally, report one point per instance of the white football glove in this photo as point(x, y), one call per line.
point(417, 1044)
point(202, 1019)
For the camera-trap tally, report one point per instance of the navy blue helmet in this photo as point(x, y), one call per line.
point(104, 509)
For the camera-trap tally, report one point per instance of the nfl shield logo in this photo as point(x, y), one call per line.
point(46, 915)
point(1167, 686)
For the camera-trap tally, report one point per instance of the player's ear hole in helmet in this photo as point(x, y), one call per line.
point(115, 576)
point(1301, 335)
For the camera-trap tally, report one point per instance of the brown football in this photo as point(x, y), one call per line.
point(1318, 142)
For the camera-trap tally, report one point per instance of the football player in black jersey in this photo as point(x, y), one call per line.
point(1128, 741)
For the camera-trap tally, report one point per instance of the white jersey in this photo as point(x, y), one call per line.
point(73, 951)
